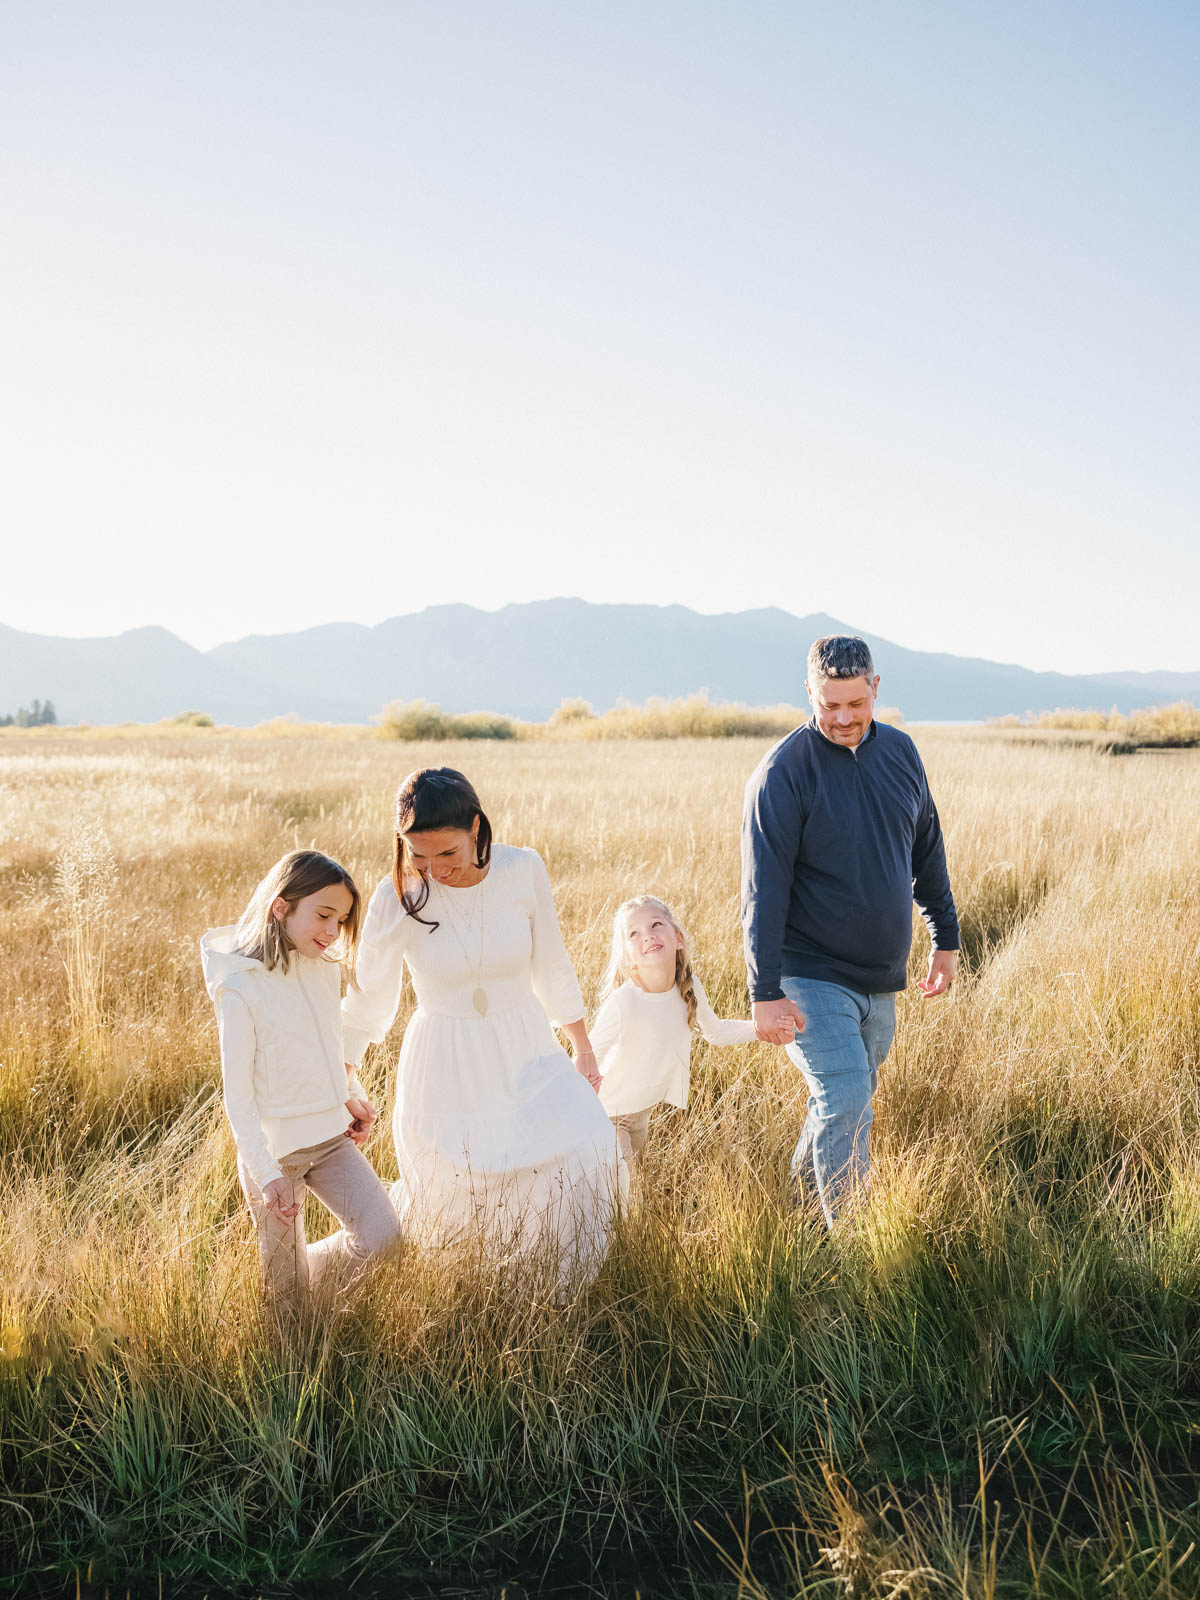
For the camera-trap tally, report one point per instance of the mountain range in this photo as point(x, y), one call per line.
point(522, 660)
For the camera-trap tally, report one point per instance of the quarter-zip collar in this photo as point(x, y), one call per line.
point(851, 750)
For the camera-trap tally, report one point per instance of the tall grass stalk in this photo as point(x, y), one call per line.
point(85, 879)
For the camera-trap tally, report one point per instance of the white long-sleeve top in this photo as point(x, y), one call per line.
point(500, 934)
point(644, 1046)
point(282, 1064)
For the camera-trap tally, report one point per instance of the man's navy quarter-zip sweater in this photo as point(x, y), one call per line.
point(837, 843)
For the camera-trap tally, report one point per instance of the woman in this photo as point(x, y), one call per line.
point(495, 1129)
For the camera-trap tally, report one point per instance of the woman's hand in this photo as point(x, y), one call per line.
point(278, 1196)
point(585, 1064)
point(581, 1049)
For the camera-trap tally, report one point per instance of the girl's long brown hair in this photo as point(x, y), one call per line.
point(428, 799)
point(261, 934)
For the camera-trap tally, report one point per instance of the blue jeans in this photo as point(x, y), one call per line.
point(845, 1039)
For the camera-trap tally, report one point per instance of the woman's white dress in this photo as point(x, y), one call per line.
point(495, 1130)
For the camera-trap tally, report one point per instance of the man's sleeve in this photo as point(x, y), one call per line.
point(931, 881)
point(771, 829)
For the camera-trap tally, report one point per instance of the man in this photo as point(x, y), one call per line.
point(839, 836)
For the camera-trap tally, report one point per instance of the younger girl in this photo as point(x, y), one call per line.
point(643, 1032)
point(297, 1115)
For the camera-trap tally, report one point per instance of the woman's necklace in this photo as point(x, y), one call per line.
point(479, 997)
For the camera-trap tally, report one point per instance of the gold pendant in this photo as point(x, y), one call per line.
point(479, 1001)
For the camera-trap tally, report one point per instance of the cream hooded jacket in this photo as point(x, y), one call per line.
point(282, 1062)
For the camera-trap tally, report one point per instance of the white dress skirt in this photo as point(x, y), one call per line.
point(498, 1137)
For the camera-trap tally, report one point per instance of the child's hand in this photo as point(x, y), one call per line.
point(278, 1196)
point(585, 1064)
point(364, 1114)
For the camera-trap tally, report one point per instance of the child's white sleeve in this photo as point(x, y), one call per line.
point(605, 1029)
point(720, 1030)
point(553, 976)
point(236, 1028)
point(369, 1010)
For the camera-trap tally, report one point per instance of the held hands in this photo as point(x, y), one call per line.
point(585, 1065)
point(777, 1021)
point(943, 964)
point(581, 1049)
point(364, 1114)
point(278, 1197)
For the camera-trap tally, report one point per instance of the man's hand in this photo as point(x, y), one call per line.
point(364, 1114)
point(278, 1195)
point(943, 964)
point(777, 1021)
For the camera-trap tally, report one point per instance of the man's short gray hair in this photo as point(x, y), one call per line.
point(840, 655)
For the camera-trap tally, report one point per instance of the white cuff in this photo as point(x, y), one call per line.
point(265, 1176)
point(354, 1045)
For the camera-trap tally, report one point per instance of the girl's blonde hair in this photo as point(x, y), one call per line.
point(620, 966)
point(262, 935)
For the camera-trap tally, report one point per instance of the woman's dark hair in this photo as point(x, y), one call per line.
point(428, 799)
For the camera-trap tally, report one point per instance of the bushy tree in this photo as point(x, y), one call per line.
point(40, 714)
point(422, 719)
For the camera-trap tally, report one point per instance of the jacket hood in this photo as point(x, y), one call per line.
point(220, 960)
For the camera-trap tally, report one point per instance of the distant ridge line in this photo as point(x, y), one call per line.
point(523, 661)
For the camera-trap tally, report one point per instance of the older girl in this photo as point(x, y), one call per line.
point(296, 1115)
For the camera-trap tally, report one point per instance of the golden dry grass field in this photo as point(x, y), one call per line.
point(987, 1384)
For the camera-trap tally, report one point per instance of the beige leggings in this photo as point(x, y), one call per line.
point(632, 1128)
point(342, 1178)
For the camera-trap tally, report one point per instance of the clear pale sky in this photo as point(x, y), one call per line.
point(316, 312)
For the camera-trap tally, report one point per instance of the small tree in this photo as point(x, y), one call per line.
point(413, 719)
point(40, 714)
point(570, 711)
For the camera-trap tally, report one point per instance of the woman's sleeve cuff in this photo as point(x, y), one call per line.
point(354, 1045)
